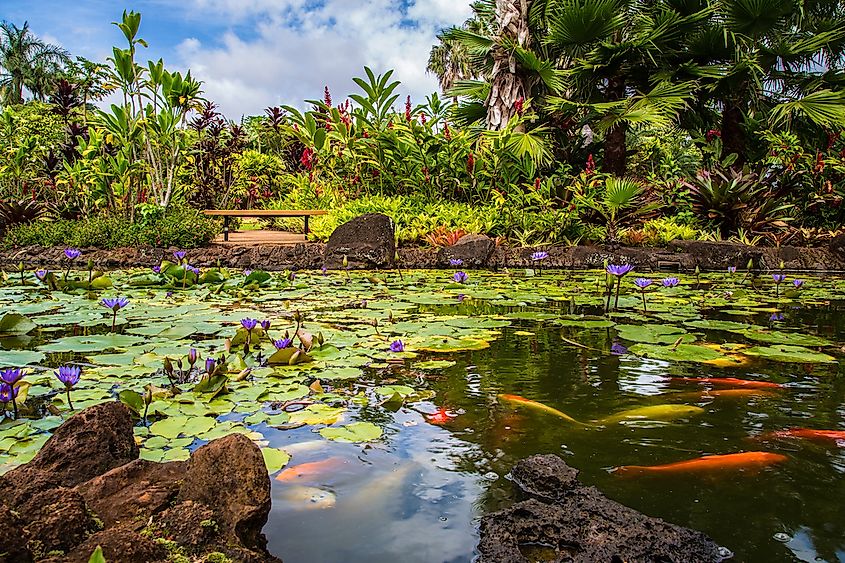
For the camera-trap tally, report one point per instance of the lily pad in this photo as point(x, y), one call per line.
point(356, 432)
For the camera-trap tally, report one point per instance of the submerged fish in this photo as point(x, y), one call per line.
point(305, 447)
point(808, 434)
point(654, 412)
point(729, 382)
point(735, 393)
point(307, 498)
point(732, 462)
point(518, 401)
point(310, 471)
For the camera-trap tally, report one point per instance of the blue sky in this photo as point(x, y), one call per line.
point(256, 53)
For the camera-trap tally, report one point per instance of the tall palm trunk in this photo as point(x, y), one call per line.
point(615, 142)
point(507, 84)
point(733, 134)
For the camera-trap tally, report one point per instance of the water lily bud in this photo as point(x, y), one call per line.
point(179, 363)
point(228, 345)
point(750, 265)
point(168, 367)
point(390, 315)
point(192, 356)
point(20, 266)
point(345, 261)
point(297, 316)
point(782, 265)
point(320, 338)
point(697, 271)
point(294, 358)
point(90, 264)
point(148, 396)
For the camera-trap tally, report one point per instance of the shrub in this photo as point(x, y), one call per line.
point(182, 227)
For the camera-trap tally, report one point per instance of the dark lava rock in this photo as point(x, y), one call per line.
point(368, 241)
point(86, 445)
point(120, 545)
point(229, 476)
point(579, 524)
point(56, 520)
point(190, 524)
point(13, 547)
point(133, 492)
point(719, 255)
point(472, 250)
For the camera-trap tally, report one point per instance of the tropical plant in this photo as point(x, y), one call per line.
point(27, 63)
point(615, 202)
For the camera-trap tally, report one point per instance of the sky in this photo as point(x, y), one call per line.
point(252, 54)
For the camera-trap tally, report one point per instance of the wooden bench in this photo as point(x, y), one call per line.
point(226, 213)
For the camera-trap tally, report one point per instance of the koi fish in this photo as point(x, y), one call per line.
point(654, 412)
point(726, 393)
point(308, 498)
point(808, 434)
point(305, 447)
point(729, 382)
point(309, 471)
point(727, 462)
point(518, 401)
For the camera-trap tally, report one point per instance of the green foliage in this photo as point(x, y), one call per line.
point(180, 227)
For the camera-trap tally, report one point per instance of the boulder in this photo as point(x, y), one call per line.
point(229, 477)
point(368, 241)
point(119, 544)
point(472, 250)
point(13, 541)
point(86, 445)
point(56, 520)
point(580, 524)
point(133, 492)
point(190, 524)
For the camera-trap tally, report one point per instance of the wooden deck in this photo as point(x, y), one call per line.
point(260, 238)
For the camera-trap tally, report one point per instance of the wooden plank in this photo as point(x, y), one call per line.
point(264, 212)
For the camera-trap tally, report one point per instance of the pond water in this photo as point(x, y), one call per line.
point(495, 369)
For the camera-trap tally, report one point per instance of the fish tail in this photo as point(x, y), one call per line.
point(628, 470)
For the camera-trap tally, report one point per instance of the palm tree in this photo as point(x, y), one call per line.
point(27, 63)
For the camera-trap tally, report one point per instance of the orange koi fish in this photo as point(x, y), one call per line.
point(735, 393)
point(307, 471)
point(727, 462)
point(808, 434)
point(729, 382)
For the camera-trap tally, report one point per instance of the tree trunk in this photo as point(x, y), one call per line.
point(507, 83)
point(615, 141)
point(733, 134)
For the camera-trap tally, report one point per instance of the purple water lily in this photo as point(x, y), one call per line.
point(642, 283)
point(539, 256)
point(248, 323)
point(8, 394)
point(455, 262)
point(779, 278)
point(72, 253)
point(283, 343)
point(115, 304)
point(618, 349)
point(265, 325)
point(41, 274)
point(460, 277)
point(180, 255)
point(731, 269)
point(157, 269)
point(397, 346)
point(247, 272)
point(324, 270)
point(210, 366)
point(69, 376)
point(11, 376)
point(461, 298)
point(193, 269)
point(619, 270)
point(776, 317)
point(798, 283)
point(671, 282)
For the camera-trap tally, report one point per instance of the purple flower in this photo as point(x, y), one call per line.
point(11, 376)
point(671, 282)
point(8, 393)
point(248, 323)
point(779, 278)
point(455, 262)
point(72, 253)
point(618, 349)
point(195, 270)
point(247, 272)
point(283, 343)
point(192, 356)
point(461, 298)
point(776, 317)
point(397, 346)
point(157, 269)
point(539, 256)
point(731, 269)
point(180, 255)
point(168, 295)
point(265, 324)
point(69, 375)
point(798, 283)
point(41, 274)
point(324, 270)
point(210, 365)
point(115, 303)
point(460, 277)
point(620, 271)
point(642, 283)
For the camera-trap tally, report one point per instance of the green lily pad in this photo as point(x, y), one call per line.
point(789, 354)
point(275, 459)
point(356, 432)
point(681, 353)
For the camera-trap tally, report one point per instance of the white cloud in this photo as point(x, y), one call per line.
point(293, 48)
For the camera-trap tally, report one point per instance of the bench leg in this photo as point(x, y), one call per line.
point(225, 228)
point(306, 227)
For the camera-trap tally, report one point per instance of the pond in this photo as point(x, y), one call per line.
point(381, 451)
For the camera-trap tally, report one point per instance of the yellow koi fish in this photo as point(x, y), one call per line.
point(518, 401)
point(654, 412)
